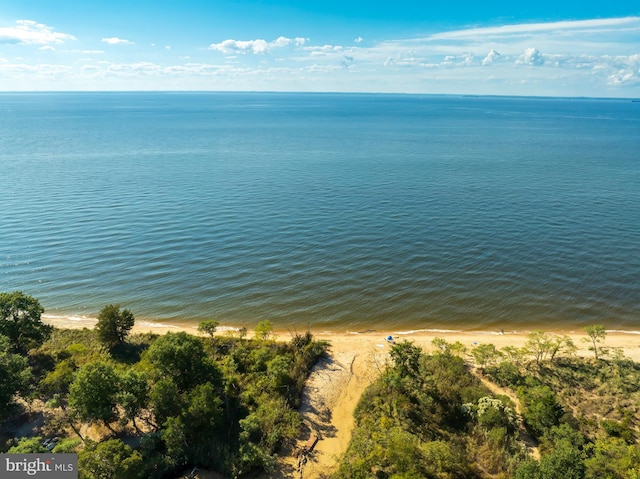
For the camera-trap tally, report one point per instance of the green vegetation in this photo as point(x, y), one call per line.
point(264, 329)
point(114, 325)
point(20, 321)
point(583, 412)
point(428, 416)
point(147, 406)
point(208, 327)
point(597, 334)
point(15, 373)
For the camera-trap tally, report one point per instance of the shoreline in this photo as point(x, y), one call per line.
point(355, 360)
point(151, 326)
point(354, 341)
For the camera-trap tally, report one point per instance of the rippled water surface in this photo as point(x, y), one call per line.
point(343, 211)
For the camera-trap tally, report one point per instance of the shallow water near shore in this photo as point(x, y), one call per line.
point(346, 212)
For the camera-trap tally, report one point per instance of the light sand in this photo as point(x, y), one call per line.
point(354, 361)
point(357, 359)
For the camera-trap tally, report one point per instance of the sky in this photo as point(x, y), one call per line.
point(542, 48)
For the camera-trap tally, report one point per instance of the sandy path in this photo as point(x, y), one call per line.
point(330, 397)
point(355, 360)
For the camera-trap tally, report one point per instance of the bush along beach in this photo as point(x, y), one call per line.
point(535, 412)
point(145, 405)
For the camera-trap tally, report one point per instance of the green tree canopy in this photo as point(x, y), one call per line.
point(596, 333)
point(15, 375)
point(612, 457)
point(20, 321)
point(133, 394)
point(165, 401)
point(110, 459)
point(541, 408)
point(565, 461)
point(263, 329)
point(93, 393)
point(114, 325)
point(486, 355)
point(28, 445)
point(182, 358)
point(406, 358)
point(208, 327)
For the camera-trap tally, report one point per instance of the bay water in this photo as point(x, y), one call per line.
point(344, 212)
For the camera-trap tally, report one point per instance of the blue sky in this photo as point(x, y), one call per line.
point(550, 48)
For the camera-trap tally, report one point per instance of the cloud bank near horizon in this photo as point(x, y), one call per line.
point(599, 57)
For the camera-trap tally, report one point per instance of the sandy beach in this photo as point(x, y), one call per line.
point(354, 361)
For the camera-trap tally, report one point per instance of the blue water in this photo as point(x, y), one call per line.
point(345, 212)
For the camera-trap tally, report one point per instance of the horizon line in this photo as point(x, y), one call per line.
point(328, 92)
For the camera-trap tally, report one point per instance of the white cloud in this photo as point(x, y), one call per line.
point(281, 42)
point(324, 50)
point(29, 32)
point(491, 57)
point(622, 77)
point(38, 71)
point(47, 48)
point(628, 71)
point(537, 28)
point(590, 58)
point(259, 46)
point(117, 41)
point(530, 56)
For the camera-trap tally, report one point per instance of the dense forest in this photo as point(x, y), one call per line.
point(537, 412)
point(147, 406)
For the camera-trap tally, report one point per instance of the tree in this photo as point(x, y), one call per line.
point(28, 445)
point(208, 327)
point(493, 413)
point(133, 395)
point(541, 409)
point(203, 418)
point(264, 329)
point(165, 401)
point(539, 345)
point(20, 321)
point(596, 334)
point(406, 358)
point(114, 325)
point(182, 358)
point(93, 393)
point(15, 374)
point(563, 344)
point(612, 457)
point(528, 469)
point(110, 459)
point(565, 461)
point(485, 354)
point(175, 441)
point(444, 347)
